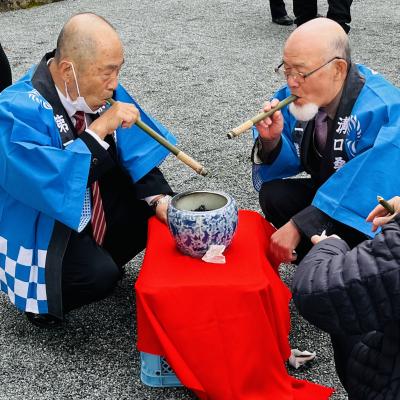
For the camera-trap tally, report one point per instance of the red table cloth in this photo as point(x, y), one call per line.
point(223, 328)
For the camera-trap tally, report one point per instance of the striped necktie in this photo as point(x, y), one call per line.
point(98, 217)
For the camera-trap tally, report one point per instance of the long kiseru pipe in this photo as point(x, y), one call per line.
point(179, 154)
point(259, 117)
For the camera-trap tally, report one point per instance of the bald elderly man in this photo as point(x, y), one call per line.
point(78, 178)
point(343, 131)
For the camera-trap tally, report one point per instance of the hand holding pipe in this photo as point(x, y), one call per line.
point(385, 205)
point(180, 155)
point(259, 117)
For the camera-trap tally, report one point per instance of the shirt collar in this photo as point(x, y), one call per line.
point(69, 108)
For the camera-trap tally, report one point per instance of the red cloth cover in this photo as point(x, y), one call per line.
point(223, 328)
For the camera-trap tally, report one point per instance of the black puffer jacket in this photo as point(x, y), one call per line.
point(357, 292)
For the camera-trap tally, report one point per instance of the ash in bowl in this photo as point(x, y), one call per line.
point(201, 208)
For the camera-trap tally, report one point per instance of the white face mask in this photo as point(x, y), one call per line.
point(80, 102)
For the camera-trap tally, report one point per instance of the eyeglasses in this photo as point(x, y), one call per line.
point(299, 77)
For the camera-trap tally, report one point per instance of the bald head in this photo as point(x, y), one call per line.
point(316, 61)
point(82, 38)
point(319, 38)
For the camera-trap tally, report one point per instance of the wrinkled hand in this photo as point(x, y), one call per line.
point(119, 114)
point(283, 243)
point(270, 128)
point(379, 216)
point(161, 211)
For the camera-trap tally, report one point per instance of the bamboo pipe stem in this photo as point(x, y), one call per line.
point(259, 117)
point(179, 154)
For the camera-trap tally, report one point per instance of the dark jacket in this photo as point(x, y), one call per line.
point(357, 292)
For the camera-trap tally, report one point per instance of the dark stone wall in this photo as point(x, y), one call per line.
point(6, 5)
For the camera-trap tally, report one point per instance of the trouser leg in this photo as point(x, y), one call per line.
point(126, 234)
point(304, 10)
point(90, 272)
point(281, 199)
point(278, 8)
point(339, 11)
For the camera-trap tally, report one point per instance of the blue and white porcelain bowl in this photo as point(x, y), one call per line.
point(199, 219)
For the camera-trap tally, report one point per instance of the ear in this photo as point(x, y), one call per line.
point(340, 69)
point(65, 70)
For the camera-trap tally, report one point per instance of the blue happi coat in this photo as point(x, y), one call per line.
point(365, 154)
point(43, 186)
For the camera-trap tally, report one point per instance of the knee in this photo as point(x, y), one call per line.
point(88, 282)
point(269, 199)
point(105, 279)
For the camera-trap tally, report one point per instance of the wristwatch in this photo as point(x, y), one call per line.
point(164, 198)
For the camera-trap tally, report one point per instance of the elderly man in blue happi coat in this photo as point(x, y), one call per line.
point(343, 130)
point(78, 179)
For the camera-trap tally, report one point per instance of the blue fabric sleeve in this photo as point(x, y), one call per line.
point(33, 170)
point(139, 153)
point(350, 194)
point(287, 162)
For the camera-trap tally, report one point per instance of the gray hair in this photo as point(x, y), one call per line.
point(340, 47)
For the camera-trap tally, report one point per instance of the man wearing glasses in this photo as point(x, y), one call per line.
point(343, 131)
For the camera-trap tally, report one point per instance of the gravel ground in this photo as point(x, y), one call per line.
point(200, 67)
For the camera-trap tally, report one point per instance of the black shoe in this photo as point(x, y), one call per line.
point(43, 320)
point(285, 20)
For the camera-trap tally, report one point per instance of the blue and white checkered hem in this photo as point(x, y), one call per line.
point(86, 211)
point(23, 280)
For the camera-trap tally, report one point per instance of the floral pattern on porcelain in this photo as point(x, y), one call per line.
point(195, 231)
